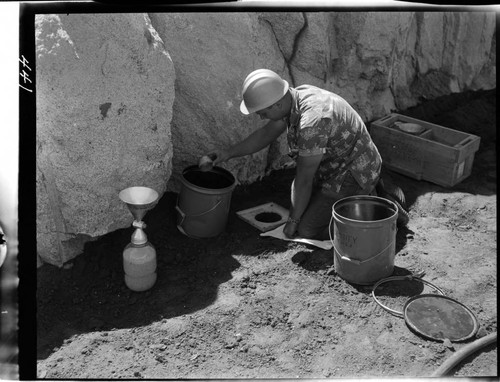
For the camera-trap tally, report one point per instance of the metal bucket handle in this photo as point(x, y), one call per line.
point(184, 216)
point(354, 261)
point(359, 262)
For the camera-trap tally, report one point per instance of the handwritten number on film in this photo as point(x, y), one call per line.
point(25, 76)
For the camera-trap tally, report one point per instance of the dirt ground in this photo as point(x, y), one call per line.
point(245, 306)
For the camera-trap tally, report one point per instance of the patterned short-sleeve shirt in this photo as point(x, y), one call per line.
point(322, 122)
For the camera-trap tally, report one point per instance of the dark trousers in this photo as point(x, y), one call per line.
point(314, 223)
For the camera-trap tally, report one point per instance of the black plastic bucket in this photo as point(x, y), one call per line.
point(204, 201)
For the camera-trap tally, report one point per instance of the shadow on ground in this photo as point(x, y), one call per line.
point(89, 293)
point(92, 296)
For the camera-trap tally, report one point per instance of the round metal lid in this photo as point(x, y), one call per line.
point(439, 318)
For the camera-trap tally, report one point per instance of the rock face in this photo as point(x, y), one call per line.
point(378, 61)
point(105, 90)
point(108, 118)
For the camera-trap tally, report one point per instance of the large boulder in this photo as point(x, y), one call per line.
point(105, 90)
point(391, 60)
point(454, 52)
point(306, 43)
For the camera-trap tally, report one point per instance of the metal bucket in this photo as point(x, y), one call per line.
point(364, 243)
point(204, 201)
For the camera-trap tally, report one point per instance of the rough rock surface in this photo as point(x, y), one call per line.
point(212, 54)
point(378, 61)
point(454, 52)
point(105, 89)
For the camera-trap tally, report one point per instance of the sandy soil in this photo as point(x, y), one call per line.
point(245, 306)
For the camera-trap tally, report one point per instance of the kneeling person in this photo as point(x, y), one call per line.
point(335, 156)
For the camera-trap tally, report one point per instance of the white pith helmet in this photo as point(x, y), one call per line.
point(262, 88)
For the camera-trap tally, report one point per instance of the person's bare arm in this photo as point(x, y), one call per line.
point(301, 190)
point(256, 141)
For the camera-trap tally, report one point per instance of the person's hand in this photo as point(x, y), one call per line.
point(219, 156)
point(290, 229)
point(206, 163)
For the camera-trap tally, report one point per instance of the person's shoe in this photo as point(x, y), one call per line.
point(397, 196)
point(403, 217)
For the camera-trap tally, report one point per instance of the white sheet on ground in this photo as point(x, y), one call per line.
point(278, 233)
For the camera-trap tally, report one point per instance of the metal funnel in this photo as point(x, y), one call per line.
point(139, 200)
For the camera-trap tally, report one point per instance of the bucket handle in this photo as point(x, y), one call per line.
point(184, 216)
point(354, 261)
point(179, 226)
point(359, 262)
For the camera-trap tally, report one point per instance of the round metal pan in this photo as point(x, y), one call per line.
point(438, 317)
point(411, 128)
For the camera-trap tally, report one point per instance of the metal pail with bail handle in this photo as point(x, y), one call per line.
point(364, 242)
